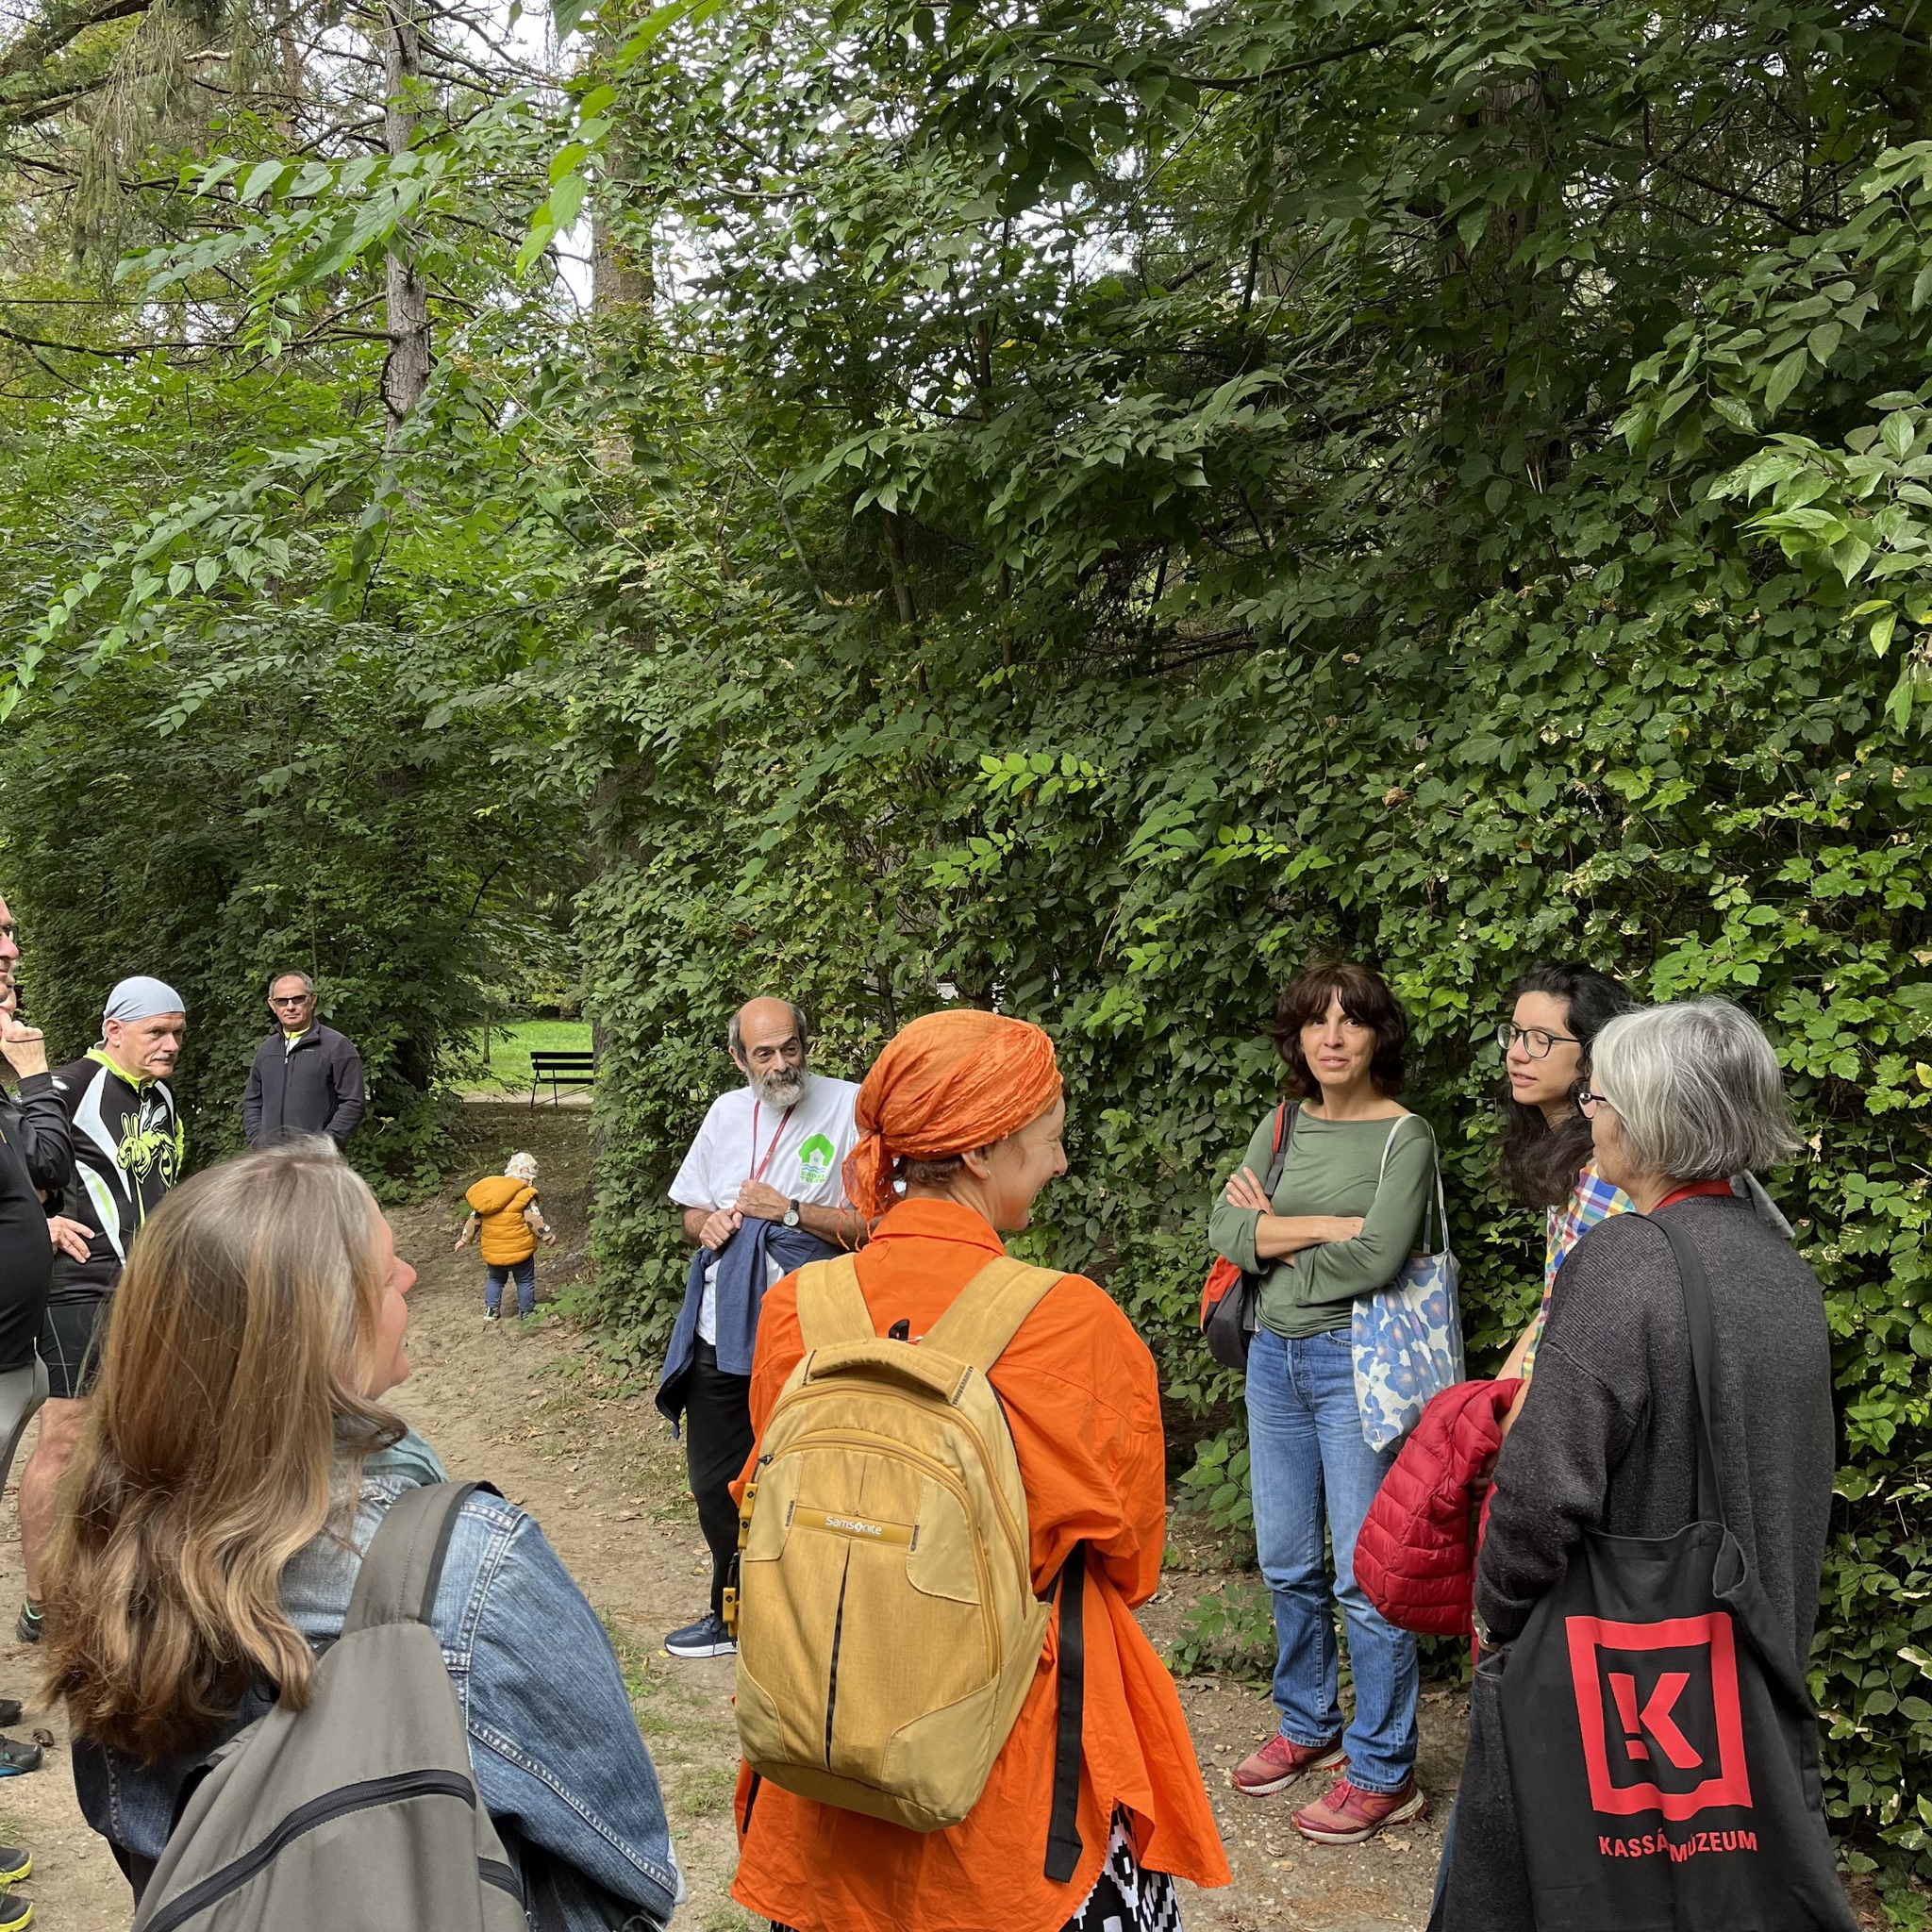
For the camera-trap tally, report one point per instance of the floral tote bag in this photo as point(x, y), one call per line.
point(1408, 1336)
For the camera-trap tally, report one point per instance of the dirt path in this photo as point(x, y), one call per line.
point(525, 1406)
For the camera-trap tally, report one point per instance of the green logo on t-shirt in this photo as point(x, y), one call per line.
point(815, 1162)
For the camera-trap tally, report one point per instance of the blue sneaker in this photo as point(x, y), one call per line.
point(707, 1637)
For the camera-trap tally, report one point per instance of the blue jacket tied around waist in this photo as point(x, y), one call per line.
point(743, 1278)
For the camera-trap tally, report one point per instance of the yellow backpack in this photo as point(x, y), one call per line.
point(885, 1622)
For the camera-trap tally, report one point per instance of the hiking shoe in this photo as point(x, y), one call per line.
point(15, 1912)
point(492, 1314)
point(1279, 1762)
point(15, 1864)
point(707, 1637)
point(26, 1626)
point(10, 1714)
point(1347, 1815)
point(17, 1760)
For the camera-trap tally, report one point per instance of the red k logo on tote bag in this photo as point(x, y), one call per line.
point(1659, 1715)
point(1662, 1745)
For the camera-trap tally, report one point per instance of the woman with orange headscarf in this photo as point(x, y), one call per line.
point(963, 1113)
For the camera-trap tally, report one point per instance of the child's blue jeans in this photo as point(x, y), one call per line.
point(525, 1273)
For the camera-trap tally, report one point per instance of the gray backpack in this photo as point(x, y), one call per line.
point(360, 1814)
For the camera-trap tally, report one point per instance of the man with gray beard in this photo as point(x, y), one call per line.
point(763, 1192)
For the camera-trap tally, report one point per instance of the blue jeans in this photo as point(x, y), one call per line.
point(1307, 1461)
point(497, 1272)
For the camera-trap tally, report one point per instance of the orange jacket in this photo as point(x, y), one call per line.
point(1083, 1400)
point(498, 1201)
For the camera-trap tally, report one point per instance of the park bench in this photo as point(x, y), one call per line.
point(560, 1069)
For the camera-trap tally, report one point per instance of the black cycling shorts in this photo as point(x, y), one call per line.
point(70, 1337)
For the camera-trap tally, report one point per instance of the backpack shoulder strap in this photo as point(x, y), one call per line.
point(404, 1564)
point(831, 1303)
point(986, 1314)
point(1285, 1117)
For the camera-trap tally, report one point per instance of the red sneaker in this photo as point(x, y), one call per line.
point(1346, 1816)
point(1279, 1762)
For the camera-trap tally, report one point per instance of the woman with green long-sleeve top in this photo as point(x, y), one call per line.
point(1358, 1173)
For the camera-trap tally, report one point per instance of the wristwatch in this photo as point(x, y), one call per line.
point(791, 1215)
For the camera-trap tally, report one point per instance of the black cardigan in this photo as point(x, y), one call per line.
point(1604, 1441)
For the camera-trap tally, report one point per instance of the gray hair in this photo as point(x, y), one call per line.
point(1697, 1088)
point(734, 1034)
point(294, 973)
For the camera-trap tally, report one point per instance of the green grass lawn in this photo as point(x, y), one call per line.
point(510, 1048)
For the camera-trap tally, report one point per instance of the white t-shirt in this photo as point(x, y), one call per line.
point(807, 1165)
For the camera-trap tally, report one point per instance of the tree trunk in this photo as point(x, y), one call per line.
point(895, 564)
point(406, 373)
point(623, 286)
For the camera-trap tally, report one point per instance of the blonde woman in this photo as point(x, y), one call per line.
point(237, 1461)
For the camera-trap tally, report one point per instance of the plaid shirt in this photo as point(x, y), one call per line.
point(1592, 1199)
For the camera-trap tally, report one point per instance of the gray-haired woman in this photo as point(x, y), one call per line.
point(1683, 1096)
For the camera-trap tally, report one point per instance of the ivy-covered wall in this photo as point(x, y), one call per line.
point(1137, 865)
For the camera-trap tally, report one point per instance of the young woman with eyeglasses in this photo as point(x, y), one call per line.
point(1546, 1159)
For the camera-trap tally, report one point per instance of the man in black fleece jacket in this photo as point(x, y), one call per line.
point(35, 1161)
point(306, 1077)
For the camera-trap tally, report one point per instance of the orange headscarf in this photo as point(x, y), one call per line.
point(946, 1082)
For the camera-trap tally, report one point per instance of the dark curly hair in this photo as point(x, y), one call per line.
point(1540, 1163)
point(1365, 998)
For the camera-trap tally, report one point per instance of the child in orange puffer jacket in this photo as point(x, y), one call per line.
point(504, 1207)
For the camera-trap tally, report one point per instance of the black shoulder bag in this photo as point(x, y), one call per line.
point(1231, 1296)
point(1662, 1745)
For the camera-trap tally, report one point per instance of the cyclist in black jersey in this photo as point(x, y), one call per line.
point(128, 1153)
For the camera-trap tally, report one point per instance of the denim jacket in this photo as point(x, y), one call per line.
point(553, 1739)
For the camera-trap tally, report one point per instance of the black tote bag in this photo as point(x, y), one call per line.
point(1662, 1745)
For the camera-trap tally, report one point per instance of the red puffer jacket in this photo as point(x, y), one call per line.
point(1415, 1557)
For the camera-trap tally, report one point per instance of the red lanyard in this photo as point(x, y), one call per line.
point(1685, 1192)
point(772, 1146)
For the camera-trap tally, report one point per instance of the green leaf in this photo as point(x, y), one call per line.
point(259, 180)
point(1784, 378)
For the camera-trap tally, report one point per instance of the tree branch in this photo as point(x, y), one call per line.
point(1236, 83)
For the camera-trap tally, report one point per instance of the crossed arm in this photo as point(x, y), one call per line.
point(1276, 1234)
point(711, 1227)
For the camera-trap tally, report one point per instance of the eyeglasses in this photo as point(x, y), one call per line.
point(1536, 1041)
point(289, 999)
point(1588, 1103)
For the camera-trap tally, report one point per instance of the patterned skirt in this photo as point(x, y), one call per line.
point(1125, 1897)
